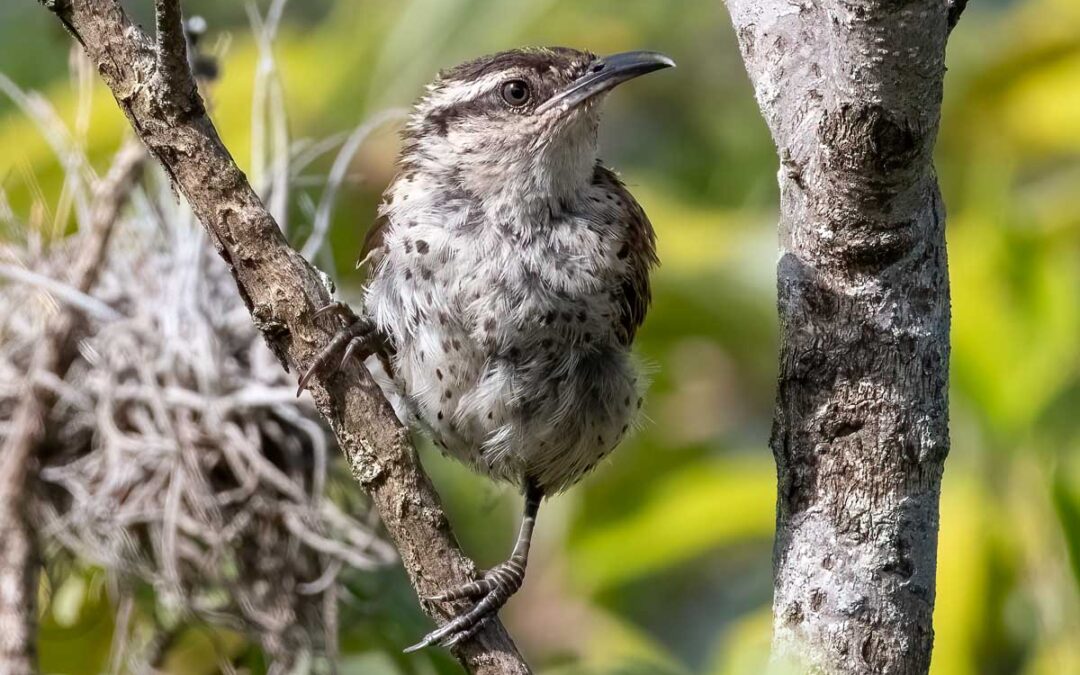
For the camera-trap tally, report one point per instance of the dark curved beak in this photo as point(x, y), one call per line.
point(604, 74)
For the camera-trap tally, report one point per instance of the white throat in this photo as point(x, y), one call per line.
point(508, 176)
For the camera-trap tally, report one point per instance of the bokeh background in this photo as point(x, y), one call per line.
point(660, 562)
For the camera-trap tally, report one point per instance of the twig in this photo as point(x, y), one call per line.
point(174, 80)
point(18, 564)
point(337, 177)
point(282, 292)
point(121, 633)
point(87, 304)
point(270, 176)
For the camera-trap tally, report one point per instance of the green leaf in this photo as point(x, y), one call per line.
point(684, 514)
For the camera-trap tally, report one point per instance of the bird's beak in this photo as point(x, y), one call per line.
point(604, 74)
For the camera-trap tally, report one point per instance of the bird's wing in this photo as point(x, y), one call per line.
point(371, 249)
point(639, 250)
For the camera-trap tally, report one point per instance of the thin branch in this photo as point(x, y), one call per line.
point(283, 292)
point(337, 177)
point(269, 153)
point(176, 81)
point(87, 304)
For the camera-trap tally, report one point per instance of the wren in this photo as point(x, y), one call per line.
point(509, 273)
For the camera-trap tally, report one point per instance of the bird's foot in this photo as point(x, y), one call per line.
point(492, 591)
point(336, 308)
point(358, 339)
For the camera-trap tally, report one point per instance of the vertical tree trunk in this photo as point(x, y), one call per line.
point(851, 91)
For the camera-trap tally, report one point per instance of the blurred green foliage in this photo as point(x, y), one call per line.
point(661, 561)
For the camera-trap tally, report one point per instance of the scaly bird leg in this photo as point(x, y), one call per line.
point(493, 589)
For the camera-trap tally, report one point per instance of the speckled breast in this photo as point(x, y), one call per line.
point(506, 350)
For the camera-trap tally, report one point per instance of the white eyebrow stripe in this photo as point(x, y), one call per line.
point(456, 91)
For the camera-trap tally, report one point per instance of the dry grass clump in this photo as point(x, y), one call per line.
point(176, 453)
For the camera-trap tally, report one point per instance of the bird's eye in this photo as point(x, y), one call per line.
point(516, 93)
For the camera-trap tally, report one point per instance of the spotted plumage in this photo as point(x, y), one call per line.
point(512, 292)
point(509, 273)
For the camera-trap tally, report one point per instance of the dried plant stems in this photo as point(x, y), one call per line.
point(177, 456)
point(18, 563)
point(282, 292)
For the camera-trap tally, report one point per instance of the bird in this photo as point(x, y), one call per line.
point(509, 271)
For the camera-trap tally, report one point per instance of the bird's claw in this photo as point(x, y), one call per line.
point(357, 339)
point(494, 589)
point(336, 308)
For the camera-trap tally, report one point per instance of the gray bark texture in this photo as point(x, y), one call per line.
point(153, 86)
point(851, 92)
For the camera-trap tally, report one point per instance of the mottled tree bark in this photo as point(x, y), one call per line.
point(152, 84)
point(851, 92)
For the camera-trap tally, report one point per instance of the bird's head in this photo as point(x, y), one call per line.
point(521, 124)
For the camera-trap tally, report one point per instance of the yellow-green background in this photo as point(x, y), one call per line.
point(660, 562)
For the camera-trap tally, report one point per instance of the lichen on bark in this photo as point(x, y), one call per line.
point(851, 92)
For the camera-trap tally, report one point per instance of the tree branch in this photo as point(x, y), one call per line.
point(18, 556)
point(851, 91)
point(282, 291)
point(174, 80)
